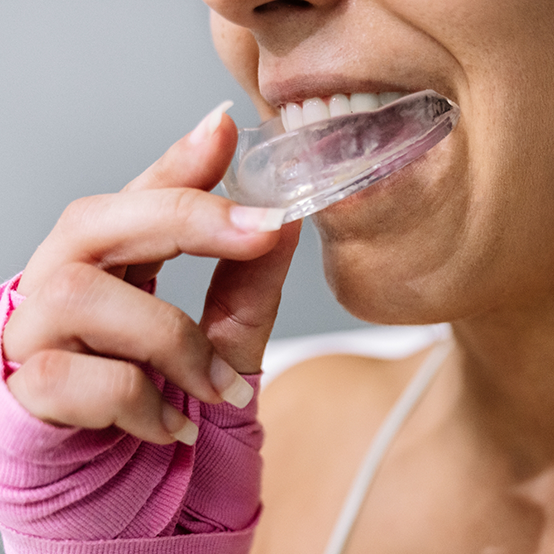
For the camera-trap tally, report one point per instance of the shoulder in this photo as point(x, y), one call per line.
point(349, 384)
point(320, 417)
point(311, 404)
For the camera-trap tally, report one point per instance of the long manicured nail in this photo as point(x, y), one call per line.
point(230, 385)
point(208, 126)
point(257, 220)
point(179, 426)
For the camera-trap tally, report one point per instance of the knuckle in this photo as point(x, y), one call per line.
point(83, 222)
point(180, 340)
point(175, 327)
point(46, 374)
point(247, 318)
point(72, 212)
point(184, 204)
point(128, 386)
point(158, 174)
point(68, 286)
point(77, 213)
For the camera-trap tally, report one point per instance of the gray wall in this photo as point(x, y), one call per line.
point(91, 93)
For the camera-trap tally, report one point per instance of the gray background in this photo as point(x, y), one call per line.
point(91, 93)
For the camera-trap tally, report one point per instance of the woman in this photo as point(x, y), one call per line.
point(462, 235)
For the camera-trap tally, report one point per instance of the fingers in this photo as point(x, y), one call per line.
point(77, 311)
point(242, 303)
point(152, 226)
point(66, 388)
point(86, 310)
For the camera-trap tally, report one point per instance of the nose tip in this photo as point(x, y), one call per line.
point(238, 12)
point(275, 5)
point(246, 13)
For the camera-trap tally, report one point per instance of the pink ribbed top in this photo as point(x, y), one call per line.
point(78, 491)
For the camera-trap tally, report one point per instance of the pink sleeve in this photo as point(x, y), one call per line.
point(69, 490)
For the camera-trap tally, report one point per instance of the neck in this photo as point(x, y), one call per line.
point(507, 363)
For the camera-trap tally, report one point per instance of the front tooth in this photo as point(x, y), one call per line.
point(294, 116)
point(388, 97)
point(285, 119)
point(314, 110)
point(363, 102)
point(339, 105)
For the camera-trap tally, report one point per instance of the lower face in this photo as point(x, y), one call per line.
point(467, 229)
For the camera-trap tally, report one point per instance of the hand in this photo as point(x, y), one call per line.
point(85, 313)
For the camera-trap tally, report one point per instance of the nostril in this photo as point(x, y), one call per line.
point(282, 4)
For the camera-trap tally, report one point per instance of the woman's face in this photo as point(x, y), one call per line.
point(469, 227)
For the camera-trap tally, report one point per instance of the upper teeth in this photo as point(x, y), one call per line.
point(315, 109)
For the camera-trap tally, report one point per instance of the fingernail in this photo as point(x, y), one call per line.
point(252, 220)
point(230, 385)
point(187, 434)
point(179, 426)
point(208, 126)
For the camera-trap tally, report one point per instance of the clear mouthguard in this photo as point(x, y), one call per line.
point(306, 170)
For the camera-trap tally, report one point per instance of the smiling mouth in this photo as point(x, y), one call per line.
point(295, 115)
point(307, 169)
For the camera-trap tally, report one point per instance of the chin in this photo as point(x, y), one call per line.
point(413, 280)
point(388, 303)
point(415, 283)
point(377, 296)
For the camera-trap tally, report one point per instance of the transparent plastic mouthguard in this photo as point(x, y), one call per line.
point(308, 169)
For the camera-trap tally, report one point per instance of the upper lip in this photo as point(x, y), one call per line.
point(298, 89)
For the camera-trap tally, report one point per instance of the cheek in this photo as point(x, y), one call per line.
point(510, 40)
point(465, 26)
point(239, 52)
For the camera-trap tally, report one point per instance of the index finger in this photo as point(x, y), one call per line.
point(146, 227)
point(198, 160)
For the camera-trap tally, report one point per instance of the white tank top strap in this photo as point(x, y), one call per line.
point(378, 448)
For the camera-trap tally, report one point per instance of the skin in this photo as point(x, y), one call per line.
point(463, 235)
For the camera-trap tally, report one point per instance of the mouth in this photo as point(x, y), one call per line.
point(295, 115)
point(307, 169)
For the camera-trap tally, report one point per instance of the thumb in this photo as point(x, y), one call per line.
point(242, 303)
